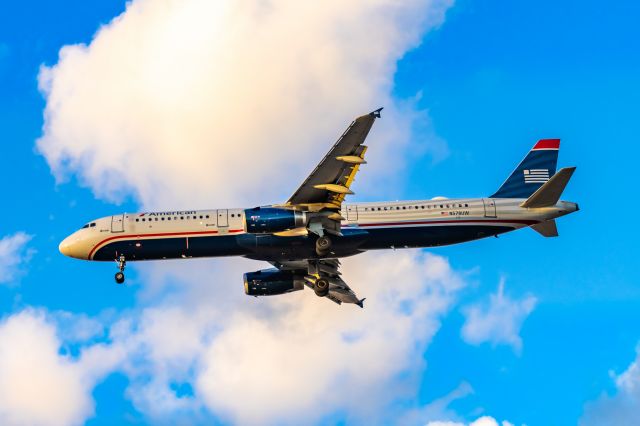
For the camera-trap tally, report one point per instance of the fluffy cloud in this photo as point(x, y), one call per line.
point(293, 358)
point(499, 321)
point(482, 421)
point(319, 355)
point(13, 253)
point(200, 104)
point(191, 103)
point(622, 407)
point(39, 385)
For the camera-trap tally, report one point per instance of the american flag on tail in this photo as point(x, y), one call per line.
point(536, 175)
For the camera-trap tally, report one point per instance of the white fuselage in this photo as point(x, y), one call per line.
point(141, 230)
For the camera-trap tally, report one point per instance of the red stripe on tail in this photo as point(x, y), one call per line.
point(548, 144)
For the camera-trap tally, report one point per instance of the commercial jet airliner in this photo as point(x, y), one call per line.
point(304, 237)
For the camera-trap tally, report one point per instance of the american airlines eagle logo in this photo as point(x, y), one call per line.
point(536, 175)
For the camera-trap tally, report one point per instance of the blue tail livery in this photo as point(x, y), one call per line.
point(536, 169)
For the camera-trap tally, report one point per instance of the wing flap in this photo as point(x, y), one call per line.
point(329, 182)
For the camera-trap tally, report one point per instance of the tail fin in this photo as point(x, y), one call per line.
point(550, 192)
point(532, 172)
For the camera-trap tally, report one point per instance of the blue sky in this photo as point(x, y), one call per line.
point(494, 78)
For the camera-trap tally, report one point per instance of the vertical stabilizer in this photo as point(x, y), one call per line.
point(536, 169)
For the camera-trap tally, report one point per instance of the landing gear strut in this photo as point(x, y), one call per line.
point(121, 264)
point(323, 245)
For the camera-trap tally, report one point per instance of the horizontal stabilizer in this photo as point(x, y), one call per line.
point(549, 193)
point(546, 229)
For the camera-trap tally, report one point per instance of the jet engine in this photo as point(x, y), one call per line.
point(271, 282)
point(266, 220)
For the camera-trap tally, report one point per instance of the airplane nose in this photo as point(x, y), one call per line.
point(72, 247)
point(65, 247)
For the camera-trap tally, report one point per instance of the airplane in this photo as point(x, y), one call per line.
point(304, 237)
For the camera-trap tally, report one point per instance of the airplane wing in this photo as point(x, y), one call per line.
point(328, 184)
point(328, 269)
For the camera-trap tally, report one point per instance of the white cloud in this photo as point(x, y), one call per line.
point(482, 421)
point(199, 102)
point(293, 358)
point(323, 356)
point(204, 104)
point(623, 406)
point(38, 385)
point(499, 321)
point(13, 254)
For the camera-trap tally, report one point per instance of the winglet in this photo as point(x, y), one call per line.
point(361, 302)
point(376, 113)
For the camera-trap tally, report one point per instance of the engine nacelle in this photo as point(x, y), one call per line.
point(266, 220)
point(271, 282)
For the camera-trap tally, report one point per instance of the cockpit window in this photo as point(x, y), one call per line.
point(92, 224)
point(86, 226)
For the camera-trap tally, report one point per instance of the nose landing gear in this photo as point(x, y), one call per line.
point(121, 264)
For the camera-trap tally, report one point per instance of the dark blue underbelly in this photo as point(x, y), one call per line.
point(270, 247)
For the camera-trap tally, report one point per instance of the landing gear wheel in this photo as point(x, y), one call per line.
point(323, 245)
point(122, 262)
point(321, 287)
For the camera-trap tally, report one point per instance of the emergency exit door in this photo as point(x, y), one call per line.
point(223, 218)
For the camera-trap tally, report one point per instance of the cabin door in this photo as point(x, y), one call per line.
point(352, 213)
point(489, 207)
point(117, 223)
point(223, 218)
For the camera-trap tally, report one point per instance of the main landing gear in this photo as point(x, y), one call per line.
point(121, 264)
point(323, 245)
point(321, 287)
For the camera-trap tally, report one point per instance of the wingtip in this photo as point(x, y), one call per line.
point(361, 302)
point(376, 113)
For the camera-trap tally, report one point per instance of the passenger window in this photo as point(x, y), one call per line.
point(201, 216)
point(162, 218)
point(466, 205)
point(137, 220)
point(181, 217)
point(168, 218)
point(207, 216)
point(156, 219)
